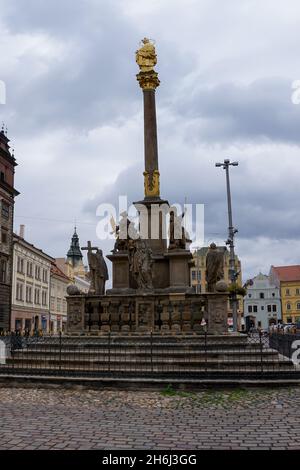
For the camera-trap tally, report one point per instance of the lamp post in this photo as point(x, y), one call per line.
point(198, 280)
point(230, 241)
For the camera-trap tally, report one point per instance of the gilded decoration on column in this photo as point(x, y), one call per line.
point(151, 183)
point(146, 59)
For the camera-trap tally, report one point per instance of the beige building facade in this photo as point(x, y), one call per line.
point(30, 287)
point(58, 303)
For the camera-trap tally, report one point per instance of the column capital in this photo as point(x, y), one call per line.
point(148, 80)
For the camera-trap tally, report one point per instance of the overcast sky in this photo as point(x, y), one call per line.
point(74, 115)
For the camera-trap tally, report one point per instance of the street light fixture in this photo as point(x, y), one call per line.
point(198, 280)
point(230, 241)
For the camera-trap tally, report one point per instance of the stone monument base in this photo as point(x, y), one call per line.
point(159, 311)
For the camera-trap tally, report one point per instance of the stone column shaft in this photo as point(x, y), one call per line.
point(150, 131)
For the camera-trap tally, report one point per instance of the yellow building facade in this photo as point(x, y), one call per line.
point(290, 301)
point(288, 279)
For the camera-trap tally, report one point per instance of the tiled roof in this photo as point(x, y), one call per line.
point(17, 238)
point(287, 273)
point(58, 272)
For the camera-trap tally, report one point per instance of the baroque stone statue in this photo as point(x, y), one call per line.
point(146, 56)
point(140, 263)
point(146, 59)
point(98, 270)
point(178, 235)
point(214, 267)
point(124, 231)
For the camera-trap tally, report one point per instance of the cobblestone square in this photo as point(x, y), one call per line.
point(109, 419)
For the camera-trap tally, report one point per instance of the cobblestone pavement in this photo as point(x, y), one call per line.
point(102, 419)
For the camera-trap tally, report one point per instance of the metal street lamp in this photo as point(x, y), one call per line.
point(198, 280)
point(231, 233)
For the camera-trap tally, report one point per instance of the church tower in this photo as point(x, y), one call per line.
point(74, 261)
point(74, 255)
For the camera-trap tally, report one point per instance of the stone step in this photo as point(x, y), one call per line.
point(88, 341)
point(163, 361)
point(73, 353)
point(125, 369)
point(132, 346)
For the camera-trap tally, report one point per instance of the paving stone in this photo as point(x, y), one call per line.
point(103, 419)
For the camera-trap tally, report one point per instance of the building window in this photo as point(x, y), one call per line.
point(18, 324)
point(274, 308)
point(29, 294)
point(193, 275)
point(29, 269)
point(249, 295)
point(5, 210)
point(20, 265)
point(288, 306)
point(38, 273)
point(4, 236)
point(45, 276)
point(37, 296)
point(254, 308)
point(298, 305)
point(58, 305)
point(44, 297)
point(249, 308)
point(19, 291)
point(273, 294)
point(287, 291)
point(261, 295)
point(297, 291)
point(52, 303)
point(259, 324)
point(3, 270)
point(269, 307)
point(262, 307)
point(27, 324)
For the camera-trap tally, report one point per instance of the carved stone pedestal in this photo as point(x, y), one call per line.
point(217, 305)
point(180, 262)
point(120, 270)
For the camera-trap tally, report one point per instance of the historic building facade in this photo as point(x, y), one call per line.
point(7, 195)
point(198, 276)
point(262, 304)
point(31, 287)
point(58, 303)
point(287, 278)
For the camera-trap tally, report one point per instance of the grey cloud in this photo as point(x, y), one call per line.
point(198, 123)
point(257, 112)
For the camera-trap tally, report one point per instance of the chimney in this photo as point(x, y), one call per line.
point(22, 231)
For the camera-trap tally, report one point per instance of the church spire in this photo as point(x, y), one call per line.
point(74, 254)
